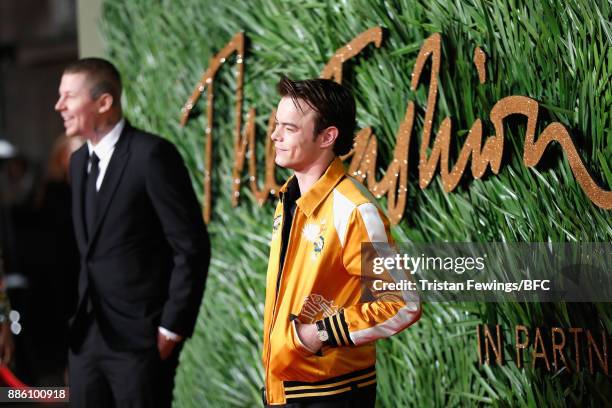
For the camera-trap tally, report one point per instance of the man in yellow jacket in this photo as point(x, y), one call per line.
point(319, 325)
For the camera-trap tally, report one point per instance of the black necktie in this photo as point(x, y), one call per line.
point(90, 194)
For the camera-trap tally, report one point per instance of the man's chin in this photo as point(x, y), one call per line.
point(70, 133)
point(280, 163)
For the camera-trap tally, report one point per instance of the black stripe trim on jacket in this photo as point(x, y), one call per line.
point(337, 330)
point(331, 381)
point(344, 328)
point(331, 388)
point(305, 389)
point(344, 394)
point(332, 340)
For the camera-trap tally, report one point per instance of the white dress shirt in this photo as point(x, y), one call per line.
point(104, 150)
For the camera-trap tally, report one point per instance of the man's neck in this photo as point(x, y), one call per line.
point(103, 129)
point(308, 177)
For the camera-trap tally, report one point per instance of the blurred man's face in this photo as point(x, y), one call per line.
point(293, 137)
point(79, 111)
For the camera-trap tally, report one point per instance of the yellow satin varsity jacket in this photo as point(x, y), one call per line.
point(320, 279)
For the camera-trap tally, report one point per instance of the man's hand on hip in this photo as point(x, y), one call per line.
point(166, 342)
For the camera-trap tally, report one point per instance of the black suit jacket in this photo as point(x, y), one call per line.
point(146, 262)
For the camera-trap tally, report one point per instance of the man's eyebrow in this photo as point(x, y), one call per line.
point(287, 123)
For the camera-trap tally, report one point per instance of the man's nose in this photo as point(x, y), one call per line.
point(274, 135)
point(59, 104)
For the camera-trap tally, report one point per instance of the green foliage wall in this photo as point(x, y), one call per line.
point(558, 52)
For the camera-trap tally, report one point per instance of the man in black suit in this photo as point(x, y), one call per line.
point(143, 244)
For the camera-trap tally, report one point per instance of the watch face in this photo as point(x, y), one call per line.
point(323, 336)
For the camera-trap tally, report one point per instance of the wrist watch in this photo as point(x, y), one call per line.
point(322, 332)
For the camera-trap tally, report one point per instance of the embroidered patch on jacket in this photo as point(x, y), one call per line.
point(278, 220)
point(314, 233)
point(316, 307)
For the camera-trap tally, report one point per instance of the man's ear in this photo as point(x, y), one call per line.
point(105, 102)
point(328, 137)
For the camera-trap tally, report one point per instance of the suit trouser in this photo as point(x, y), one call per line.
point(106, 378)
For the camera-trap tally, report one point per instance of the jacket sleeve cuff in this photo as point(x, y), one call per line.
point(337, 330)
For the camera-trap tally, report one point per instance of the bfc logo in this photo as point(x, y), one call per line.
point(316, 307)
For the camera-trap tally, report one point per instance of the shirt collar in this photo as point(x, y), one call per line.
point(105, 147)
point(310, 200)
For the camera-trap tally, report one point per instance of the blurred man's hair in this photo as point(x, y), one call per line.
point(102, 75)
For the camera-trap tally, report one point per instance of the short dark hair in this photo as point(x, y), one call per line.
point(333, 103)
point(102, 74)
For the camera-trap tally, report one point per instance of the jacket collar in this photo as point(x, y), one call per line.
point(309, 201)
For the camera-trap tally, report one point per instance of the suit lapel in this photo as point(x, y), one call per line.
point(111, 180)
point(78, 185)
